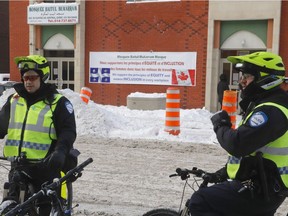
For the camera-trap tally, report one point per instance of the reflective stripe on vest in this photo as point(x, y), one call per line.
point(276, 151)
point(30, 131)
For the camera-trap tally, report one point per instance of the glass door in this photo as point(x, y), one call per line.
point(62, 72)
point(233, 76)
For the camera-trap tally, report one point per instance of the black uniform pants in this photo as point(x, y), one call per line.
point(225, 200)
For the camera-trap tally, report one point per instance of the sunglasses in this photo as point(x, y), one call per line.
point(30, 78)
point(29, 65)
point(246, 76)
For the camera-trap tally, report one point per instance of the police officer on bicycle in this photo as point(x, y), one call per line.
point(257, 167)
point(40, 125)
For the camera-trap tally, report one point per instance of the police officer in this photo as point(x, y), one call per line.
point(257, 166)
point(40, 124)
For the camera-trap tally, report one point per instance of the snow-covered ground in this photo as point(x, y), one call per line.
point(130, 177)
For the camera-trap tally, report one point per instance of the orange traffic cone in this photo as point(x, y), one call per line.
point(172, 124)
point(85, 94)
point(229, 104)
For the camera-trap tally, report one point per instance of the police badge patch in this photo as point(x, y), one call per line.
point(69, 107)
point(258, 119)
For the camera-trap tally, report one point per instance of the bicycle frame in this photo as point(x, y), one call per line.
point(185, 211)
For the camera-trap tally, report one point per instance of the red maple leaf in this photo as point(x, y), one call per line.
point(183, 76)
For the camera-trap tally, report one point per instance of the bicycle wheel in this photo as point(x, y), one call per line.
point(161, 212)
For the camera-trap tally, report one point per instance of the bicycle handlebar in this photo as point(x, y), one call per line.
point(213, 178)
point(184, 173)
point(73, 173)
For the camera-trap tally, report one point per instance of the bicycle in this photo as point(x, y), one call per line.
point(28, 197)
point(198, 175)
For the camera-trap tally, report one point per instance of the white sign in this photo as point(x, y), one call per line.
point(49, 14)
point(153, 68)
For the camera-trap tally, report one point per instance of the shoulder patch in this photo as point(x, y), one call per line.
point(258, 119)
point(69, 107)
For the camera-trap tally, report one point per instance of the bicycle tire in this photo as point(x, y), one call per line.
point(161, 212)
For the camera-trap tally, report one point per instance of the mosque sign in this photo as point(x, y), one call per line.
point(53, 14)
point(147, 68)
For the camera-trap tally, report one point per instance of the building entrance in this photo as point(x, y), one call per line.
point(62, 66)
point(62, 72)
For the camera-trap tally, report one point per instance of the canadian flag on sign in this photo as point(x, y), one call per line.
point(183, 77)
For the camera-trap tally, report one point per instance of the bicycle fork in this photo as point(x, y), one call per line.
point(57, 209)
point(185, 210)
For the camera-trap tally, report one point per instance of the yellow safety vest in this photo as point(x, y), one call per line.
point(30, 130)
point(276, 151)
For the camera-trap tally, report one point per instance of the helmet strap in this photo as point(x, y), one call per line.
point(45, 78)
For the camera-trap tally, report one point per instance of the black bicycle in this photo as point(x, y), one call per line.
point(28, 197)
point(198, 175)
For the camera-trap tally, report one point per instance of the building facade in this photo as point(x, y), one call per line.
point(212, 30)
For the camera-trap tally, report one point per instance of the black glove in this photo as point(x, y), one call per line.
point(220, 119)
point(57, 160)
point(211, 178)
point(217, 177)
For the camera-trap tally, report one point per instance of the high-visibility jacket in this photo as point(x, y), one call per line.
point(276, 151)
point(31, 129)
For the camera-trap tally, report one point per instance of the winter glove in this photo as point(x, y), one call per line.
point(57, 160)
point(211, 178)
point(220, 119)
point(217, 177)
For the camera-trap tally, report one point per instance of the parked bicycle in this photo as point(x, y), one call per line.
point(28, 197)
